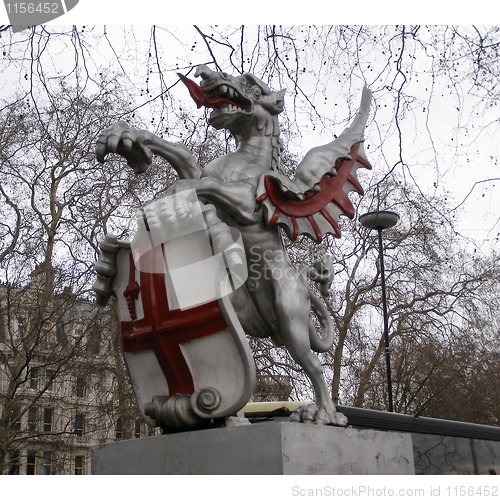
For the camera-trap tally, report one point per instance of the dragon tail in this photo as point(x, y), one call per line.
point(321, 272)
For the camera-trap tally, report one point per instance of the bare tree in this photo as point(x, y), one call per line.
point(55, 206)
point(436, 291)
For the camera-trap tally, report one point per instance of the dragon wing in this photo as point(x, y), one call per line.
point(312, 203)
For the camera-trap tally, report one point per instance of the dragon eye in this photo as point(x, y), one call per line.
point(257, 92)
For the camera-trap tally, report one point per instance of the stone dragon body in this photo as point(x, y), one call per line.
point(252, 194)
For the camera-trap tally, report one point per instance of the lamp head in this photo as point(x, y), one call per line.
point(379, 220)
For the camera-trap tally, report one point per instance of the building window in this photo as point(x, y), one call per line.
point(119, 429)
point(2, 328)
point(46, 463)
point(94, 339)
point(78, 337)
point(13, 463)
point(79, 425)
point(79, 465)
point(30, 463)
point(49, 380)
point(47, 336)
point(15, 418)
point(138, 428)
point(32, 418)
point(48, 415)
point(80, 387)
point(34, 374)
point(61, 335)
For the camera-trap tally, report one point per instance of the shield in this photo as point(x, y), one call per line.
point(186, 353)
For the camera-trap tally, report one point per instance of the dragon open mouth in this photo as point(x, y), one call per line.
point(223, 96)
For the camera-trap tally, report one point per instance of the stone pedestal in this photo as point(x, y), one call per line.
point(266, 448)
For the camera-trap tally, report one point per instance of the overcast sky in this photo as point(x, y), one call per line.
point(479, 211)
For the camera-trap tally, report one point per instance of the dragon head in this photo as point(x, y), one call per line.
point(236, 101)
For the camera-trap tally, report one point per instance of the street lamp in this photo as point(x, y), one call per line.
point(380, 221)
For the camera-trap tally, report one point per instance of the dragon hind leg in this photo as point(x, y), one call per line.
point(293, 307)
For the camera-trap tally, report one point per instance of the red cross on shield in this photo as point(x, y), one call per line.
point(170, 351)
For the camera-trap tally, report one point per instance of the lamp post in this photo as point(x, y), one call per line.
point(380, 221)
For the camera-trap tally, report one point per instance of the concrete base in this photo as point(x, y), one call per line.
point(266, 448)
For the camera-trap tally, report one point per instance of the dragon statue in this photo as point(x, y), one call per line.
point(251, 192)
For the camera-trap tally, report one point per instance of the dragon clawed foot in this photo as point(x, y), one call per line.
point(319, 415)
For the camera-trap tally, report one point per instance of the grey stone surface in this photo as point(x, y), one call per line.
point(269, 448)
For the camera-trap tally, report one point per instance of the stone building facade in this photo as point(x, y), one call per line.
point(63, 386)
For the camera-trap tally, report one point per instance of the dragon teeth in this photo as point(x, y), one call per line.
point(229, 107)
